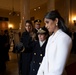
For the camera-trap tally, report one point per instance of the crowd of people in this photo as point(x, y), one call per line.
point(44, 50)
point(34, 41)
point(45, 54)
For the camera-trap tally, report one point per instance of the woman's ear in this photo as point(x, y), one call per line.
point(56, 20)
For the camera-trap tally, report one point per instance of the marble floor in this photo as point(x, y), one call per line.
point(12, 64)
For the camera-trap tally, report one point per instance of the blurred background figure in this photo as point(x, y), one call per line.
point(37, 24)
point(4, 49)
point(16, 39)
point(2, 56)
point(74, 42)
point(6, 41)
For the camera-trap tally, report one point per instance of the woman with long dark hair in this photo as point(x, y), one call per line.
point(58, 47)
point(28, 40)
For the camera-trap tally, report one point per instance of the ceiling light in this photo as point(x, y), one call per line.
point(34, 9)
point(38, 7)
point(13, 12)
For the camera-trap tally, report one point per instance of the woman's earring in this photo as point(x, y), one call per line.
point(56, 24)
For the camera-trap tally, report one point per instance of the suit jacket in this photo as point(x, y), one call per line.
point(57, 50)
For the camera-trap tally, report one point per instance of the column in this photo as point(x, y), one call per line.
point(68, 13)
point(25, 12)
point(50, 5)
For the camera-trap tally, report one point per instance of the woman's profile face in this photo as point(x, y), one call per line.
point(28, 27)
point(50, 24)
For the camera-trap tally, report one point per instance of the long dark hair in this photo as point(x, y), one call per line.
point(30, 22)
point(32, 33)
point(61, 23)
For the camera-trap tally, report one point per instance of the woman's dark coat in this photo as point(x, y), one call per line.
point(26, 56)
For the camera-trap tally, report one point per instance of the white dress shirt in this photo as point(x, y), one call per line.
point(41, 43)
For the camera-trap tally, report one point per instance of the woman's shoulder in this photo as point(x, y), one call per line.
point(64, 37)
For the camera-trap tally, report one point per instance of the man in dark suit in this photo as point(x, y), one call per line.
point(39, 51)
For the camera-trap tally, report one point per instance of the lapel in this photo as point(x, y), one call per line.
point(52, 40)
point(55, 36)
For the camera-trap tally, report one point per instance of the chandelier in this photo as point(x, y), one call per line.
point(13, 12)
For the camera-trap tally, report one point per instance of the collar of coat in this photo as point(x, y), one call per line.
point(53, 37)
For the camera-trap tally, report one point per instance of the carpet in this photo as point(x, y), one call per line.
point(71, 69)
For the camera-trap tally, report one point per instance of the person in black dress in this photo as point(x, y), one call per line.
point(28, 39)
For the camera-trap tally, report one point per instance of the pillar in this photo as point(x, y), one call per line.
point(50, 5)
point(68, 13)
point(25, 12)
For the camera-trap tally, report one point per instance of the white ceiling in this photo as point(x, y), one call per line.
point(7, 4)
